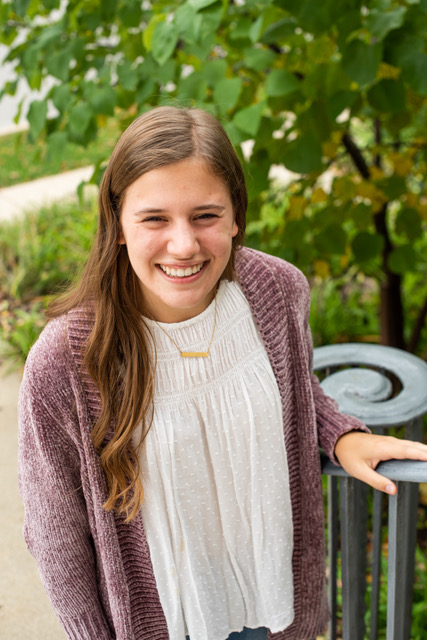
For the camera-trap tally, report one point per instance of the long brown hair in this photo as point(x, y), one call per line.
point(118, 354)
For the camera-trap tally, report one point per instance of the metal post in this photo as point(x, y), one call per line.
point(353, 558)
point(333, 553)
point(396, 622)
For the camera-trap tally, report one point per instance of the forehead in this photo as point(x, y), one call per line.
point(191, 178)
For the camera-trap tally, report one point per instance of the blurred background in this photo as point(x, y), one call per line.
point(325, 102)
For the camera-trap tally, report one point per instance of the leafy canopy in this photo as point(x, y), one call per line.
point(335, 91)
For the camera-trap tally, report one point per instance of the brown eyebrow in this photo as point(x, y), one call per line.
point(202, 207)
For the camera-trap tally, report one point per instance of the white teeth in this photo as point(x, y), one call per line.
point(181, 272)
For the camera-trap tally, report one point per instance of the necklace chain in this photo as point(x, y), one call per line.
point(192, 354)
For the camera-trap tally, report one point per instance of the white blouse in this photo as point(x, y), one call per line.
point(217, 510)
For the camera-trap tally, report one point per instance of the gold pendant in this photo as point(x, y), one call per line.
point(194, 354)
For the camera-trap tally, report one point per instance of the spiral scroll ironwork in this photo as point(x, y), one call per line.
point(368, 394)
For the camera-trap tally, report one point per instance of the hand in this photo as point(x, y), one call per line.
point(359, 453)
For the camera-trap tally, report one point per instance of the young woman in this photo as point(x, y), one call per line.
point(169, 417)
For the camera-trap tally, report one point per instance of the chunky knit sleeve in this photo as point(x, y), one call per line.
point(56, 527)
point(279, 295)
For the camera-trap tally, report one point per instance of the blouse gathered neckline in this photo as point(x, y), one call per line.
point(217, 510)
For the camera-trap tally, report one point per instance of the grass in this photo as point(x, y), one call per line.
point(22, 161)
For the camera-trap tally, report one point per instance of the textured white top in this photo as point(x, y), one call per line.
point(217, 509)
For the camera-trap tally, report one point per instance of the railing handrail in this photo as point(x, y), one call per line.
point(396, 470)
point(368, 389)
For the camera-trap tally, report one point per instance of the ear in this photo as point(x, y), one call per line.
point(234, 230)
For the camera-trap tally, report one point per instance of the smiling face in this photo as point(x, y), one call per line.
point(177, 223)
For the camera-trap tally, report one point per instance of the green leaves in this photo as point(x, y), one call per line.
point(226, 93)
point(380, 22)
point(79, 119)
point(402, 259)
point(201, 4)
point(102, 100)
point(164, 40)
point(258, 59)
point(249, 118)
point(360, 61)
point(331, 240)
point(281, 82)
point(302, 155)
point(408, 223)
point(292, 75)
point(367, 246)
point(37, 117)
point(58, 64)
point(388, 96)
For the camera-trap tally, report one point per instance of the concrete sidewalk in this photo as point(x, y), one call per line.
point(25, 612)
point(30, 196)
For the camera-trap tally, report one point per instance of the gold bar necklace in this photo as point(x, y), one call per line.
point(192, 354)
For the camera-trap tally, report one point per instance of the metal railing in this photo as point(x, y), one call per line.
point(384, 387)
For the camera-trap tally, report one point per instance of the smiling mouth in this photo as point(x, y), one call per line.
point(181, 272)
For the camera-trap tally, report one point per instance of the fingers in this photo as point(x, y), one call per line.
point(360, 453)
point(376, 480)
point(408, 449)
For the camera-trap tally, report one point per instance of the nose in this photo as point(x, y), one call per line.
point(183, 242)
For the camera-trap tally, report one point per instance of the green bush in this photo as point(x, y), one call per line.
point(39, 255)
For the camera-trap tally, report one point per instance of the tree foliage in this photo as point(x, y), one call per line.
point(335, 91)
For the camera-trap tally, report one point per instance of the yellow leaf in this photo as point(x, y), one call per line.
point(318, 195)
point(344, 259)
point(297, 205)
point(321, 49)
point(329, 149)
point(422, 208)
point(101, 120)
point(376, 173)
point(369, 191)
point(344, 188)
point(378, 203)
point(321, 268)
point(388, 71)
point(336, 136)
point(411, 200)
point(402, 164)
point(366, 189)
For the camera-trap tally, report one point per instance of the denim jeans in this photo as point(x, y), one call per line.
point(247, 634)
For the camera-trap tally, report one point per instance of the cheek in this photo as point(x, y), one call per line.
point(143, 247)
point(221, 243)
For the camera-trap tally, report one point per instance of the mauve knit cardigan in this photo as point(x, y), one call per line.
point(95, 568)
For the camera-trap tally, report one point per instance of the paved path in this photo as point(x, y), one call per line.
point(30, 196)
point(25, 612)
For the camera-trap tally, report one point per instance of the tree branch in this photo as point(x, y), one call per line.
point(356, 155)
point(417, 328)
